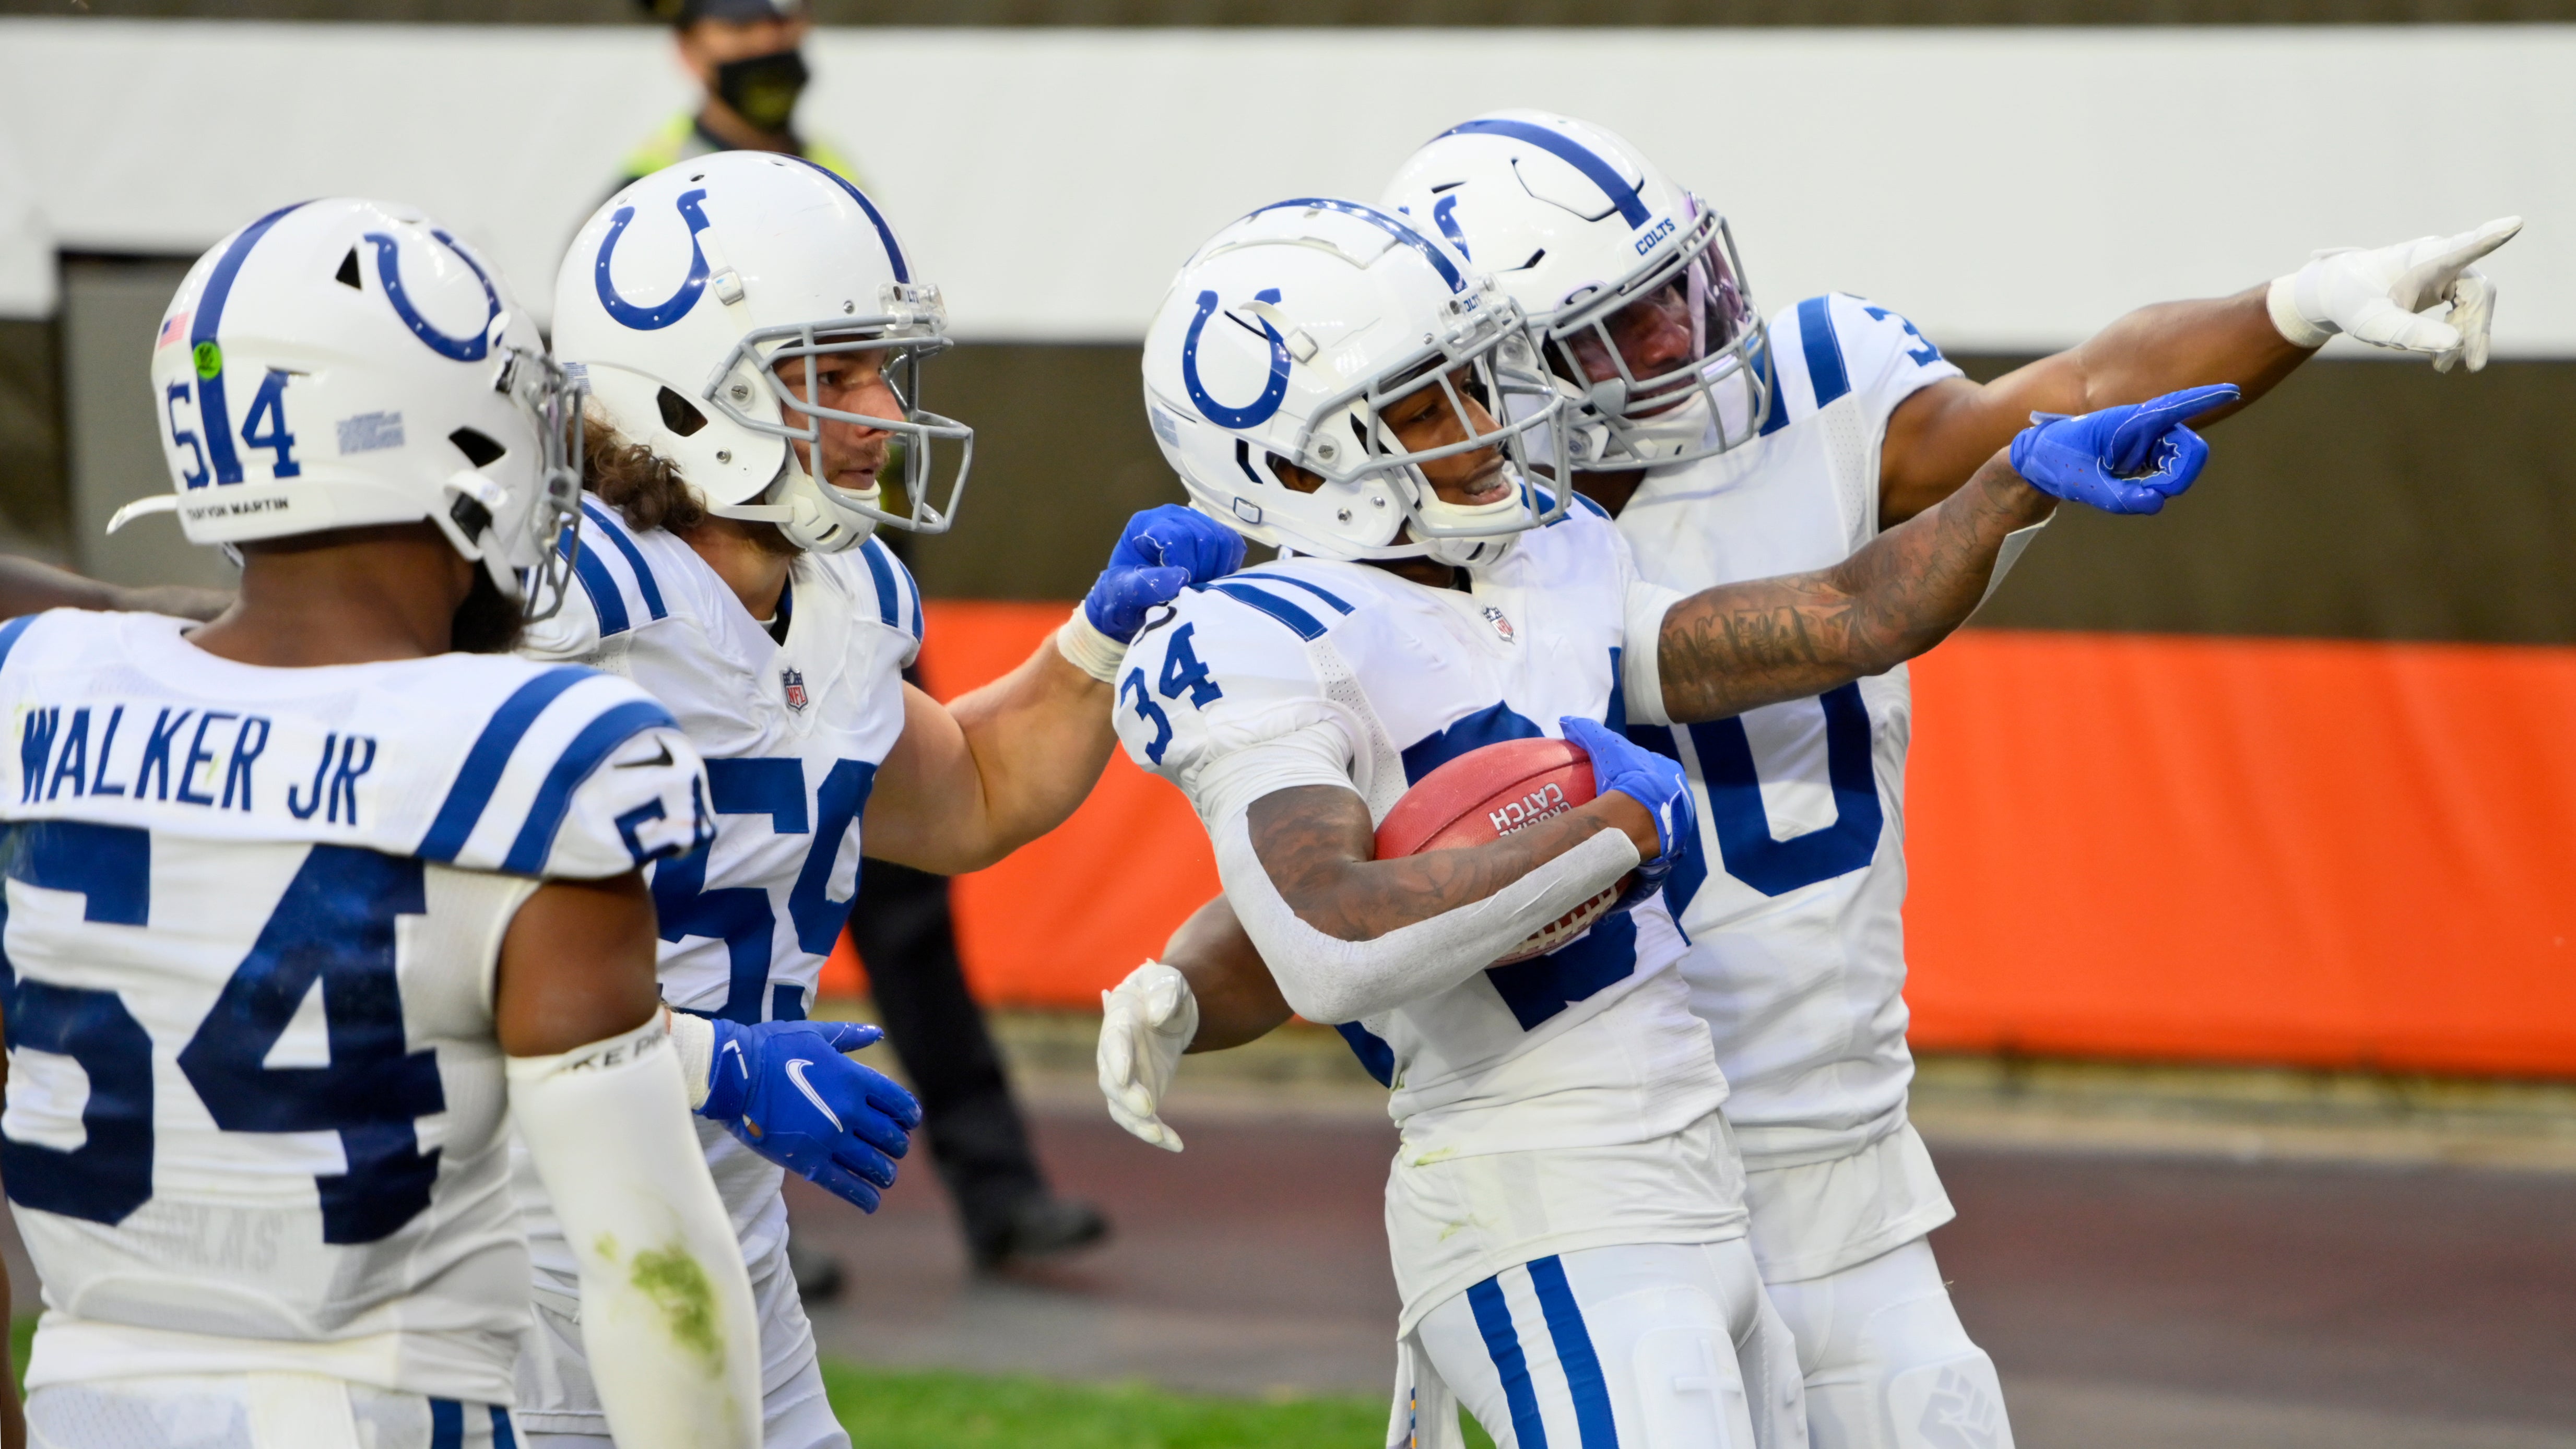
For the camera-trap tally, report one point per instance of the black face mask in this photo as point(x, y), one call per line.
point(763, 89)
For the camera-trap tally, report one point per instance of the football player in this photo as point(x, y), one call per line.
point(1566, 1211)
point(753, 334)
point(300, 900)
point(1729, 448)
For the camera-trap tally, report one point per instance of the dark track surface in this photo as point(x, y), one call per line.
point(2128, 1300)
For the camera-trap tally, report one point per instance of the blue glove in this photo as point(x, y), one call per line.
point(1163, 551)
point(1652, 780)
point(2127, 459)
point(784, 1088)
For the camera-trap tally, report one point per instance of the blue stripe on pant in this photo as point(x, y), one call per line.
point(1584, 1383)
point(447, 1420)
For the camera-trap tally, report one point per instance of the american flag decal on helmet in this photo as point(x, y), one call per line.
point(793, 681)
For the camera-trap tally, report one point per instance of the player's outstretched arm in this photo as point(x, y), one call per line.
point(29, 587)
point(596, 1093)
point(2385, 297)
point(972, 781)
point(1739, 646)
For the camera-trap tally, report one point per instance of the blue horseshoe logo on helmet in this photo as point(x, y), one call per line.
point(469, 348)
point(1259, 410)
point(677, 305)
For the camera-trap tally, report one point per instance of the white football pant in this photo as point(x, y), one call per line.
point(1646, 1346)
point(255, 1411)
point(1887, 1363)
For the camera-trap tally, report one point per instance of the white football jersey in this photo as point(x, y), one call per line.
point(1591, 1046)
point(792, 734)
point(251, 918)
point(1797, 960)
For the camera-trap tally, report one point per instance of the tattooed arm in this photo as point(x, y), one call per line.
point(1315, 844)
point(1738, 646)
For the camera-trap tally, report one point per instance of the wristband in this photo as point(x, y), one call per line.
point(694, 1037)
point(2282, 301)
point(1087, 649)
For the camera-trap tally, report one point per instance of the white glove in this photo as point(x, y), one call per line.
point(1145, 1025)
point(2383, 296)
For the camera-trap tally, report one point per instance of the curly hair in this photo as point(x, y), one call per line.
point(642, 485)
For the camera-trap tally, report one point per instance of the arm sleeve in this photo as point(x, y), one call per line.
point(667, 1320)
point(1329, 979)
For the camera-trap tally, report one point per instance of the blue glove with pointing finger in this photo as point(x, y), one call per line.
point(786, 1091)
point(2126, 459)
point(1652, 780)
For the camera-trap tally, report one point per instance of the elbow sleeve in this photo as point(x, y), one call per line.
point(666, 1310)
point(1328, 979)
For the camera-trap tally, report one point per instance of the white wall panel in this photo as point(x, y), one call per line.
point(2010, 189)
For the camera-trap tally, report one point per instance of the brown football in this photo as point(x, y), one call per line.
point(1488, 793)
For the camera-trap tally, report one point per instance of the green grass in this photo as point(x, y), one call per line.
point(936, 1409)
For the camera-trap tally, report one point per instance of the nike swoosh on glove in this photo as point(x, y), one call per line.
point(785, 1090)
point(2127, 459)
point(1652, 780)
point(1163, 551)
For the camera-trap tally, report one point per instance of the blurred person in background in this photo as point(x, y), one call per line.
point(746, 56)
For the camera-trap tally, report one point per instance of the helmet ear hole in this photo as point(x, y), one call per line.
point(679, 414)
point(479, 449)
point(347, 276)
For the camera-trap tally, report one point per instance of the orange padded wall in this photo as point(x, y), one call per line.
point(2125, 845)
point(2275, 850)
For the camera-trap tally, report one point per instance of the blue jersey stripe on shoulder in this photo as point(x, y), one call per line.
point(9, 634)
point(1588, 504)
point(1319, 592)
point(912, 592)
point(1825, 371)
point(645, 583)
point(1277, 608)
point(596, 583)
point(490, 756)
point(881, 569)
point(580, 758)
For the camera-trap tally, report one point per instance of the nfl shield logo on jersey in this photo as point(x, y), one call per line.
point(794, 682)
point(1501, 625)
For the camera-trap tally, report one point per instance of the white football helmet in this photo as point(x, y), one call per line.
point(1287, 337)
point(341, 363)
point(689, 300)
point(1575, 224)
